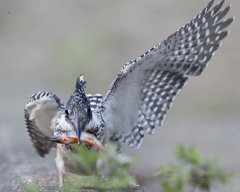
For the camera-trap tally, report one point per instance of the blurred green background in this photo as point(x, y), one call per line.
point(45, 45)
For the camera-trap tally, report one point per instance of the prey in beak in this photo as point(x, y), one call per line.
point(72, 137)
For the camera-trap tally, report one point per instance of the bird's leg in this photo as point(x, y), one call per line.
point(119, 147)
point(60, 165)
point(61, 180)
point(101, 171)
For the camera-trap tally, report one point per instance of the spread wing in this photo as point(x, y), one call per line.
point(145, 87)
point(40, 113)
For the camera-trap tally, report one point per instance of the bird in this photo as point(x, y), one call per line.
point(138, 98)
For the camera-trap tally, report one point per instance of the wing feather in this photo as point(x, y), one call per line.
point(145, 87)
point(40, 113)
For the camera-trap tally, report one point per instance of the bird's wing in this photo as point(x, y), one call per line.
point(94, 100)
point(40, 113)
point(146, 86)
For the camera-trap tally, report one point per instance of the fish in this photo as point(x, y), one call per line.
point(71, 138)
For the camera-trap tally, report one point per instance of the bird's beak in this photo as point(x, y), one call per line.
point(79, 129)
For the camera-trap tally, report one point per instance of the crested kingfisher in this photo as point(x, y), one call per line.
point(138, 98)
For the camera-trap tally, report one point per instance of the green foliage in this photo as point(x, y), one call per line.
point(29, 188)
point(192, 170)
point(114, 167)
point(87, 159)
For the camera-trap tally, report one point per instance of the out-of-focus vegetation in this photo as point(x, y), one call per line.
point(112, 173)
point(193, 170)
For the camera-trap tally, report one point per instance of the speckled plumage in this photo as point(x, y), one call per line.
point(46, 107)
point(142, 92)
point(158, 75)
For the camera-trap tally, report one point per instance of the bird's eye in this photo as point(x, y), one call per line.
point(66, 112)
point(88, 110)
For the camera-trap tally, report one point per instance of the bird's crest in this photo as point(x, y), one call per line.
point(80, 84)
point(78, 104)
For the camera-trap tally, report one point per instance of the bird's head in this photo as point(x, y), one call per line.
point(78, 108)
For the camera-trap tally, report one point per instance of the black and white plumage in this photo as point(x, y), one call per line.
point(145, 87)
point(40, 113)
point(140, 95)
